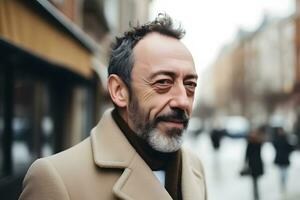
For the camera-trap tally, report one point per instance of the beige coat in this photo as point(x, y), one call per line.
point(105, 166)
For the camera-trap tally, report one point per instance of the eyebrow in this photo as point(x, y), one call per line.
point(172, 74)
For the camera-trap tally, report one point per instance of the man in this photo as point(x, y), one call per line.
point(135, 150)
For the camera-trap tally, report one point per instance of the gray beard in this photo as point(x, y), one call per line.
point(162, 142)
point(167, 142)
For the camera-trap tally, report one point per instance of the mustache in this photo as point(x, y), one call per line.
point(176, 115)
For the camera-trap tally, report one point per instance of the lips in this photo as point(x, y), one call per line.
point(174, 123)
point(169, 124)
point(176, 118)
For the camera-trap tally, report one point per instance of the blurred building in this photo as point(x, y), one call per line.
point(257, 75)
point(53, 75)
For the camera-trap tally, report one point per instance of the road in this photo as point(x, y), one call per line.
point(222, 171)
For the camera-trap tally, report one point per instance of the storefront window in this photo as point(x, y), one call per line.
point(47, 126)
point(1, 122)
point(86, 107)
point(81, 119)
point(47, 121)
point(33, 124)
point(23, 124)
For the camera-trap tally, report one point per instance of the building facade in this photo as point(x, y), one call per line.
point(256, 75)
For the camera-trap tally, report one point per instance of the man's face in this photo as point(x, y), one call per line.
point(163, 81)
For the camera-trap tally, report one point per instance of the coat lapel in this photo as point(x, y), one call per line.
point(138, 182)
point(193, 182)
point(112, 150)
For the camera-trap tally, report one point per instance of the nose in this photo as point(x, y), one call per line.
point(180, 99)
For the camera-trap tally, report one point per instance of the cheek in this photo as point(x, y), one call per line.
point(160, 105)
point(153, 103)
point(147, 96)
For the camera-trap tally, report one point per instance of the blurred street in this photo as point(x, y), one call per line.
point(222, 171)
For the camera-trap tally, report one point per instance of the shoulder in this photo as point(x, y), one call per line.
point(45, 179)
point(74, 154)
point(42, 181)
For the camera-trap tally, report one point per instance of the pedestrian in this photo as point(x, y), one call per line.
point(216, 136)
point(283, 149)
point(253, 159)
point(135, 150)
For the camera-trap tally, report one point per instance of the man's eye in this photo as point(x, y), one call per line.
point(191, 85)
point(164, 82)
point(163, 85)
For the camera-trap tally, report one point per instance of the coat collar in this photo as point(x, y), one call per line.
point(112, 150)
point(110, 147)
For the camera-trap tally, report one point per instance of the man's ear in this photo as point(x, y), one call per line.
point(117, 90)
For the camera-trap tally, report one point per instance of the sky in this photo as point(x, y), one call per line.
point(210, 24)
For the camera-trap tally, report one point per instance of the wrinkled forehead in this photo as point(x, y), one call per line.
point(156, 48)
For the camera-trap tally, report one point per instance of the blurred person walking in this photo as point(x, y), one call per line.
point(216, 136)
point(283, 149)
point(253, 160)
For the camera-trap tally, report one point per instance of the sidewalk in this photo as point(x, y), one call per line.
point(222, 171)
